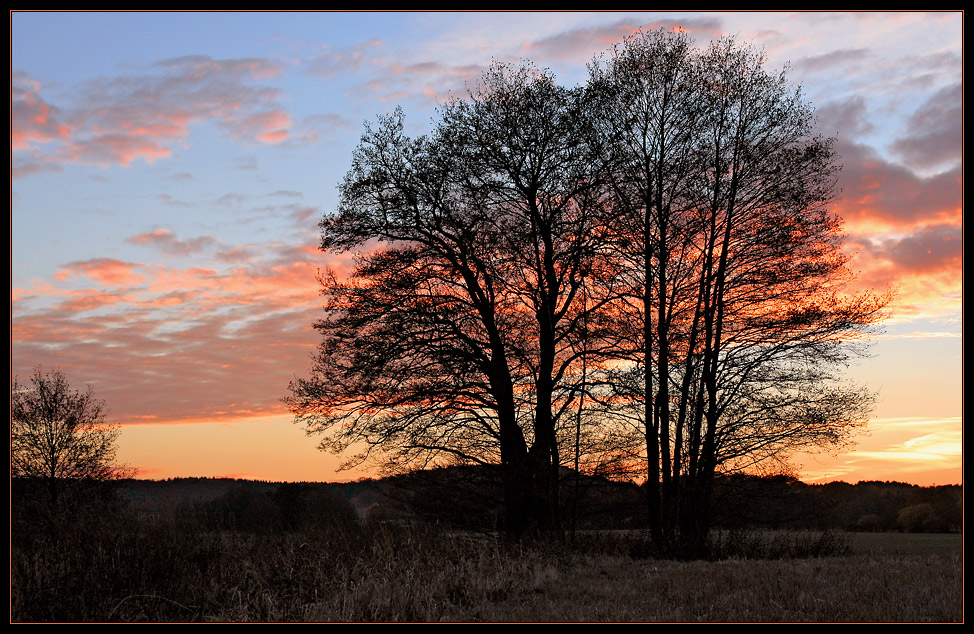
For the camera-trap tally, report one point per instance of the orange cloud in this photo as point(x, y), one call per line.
point(931, 256)
point(921, 451)
point(277, 136)
point(89, 300)
point(104, 270)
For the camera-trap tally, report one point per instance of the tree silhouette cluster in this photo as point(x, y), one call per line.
point(639, 272)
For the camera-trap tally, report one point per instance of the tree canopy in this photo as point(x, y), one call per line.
point(648, 258)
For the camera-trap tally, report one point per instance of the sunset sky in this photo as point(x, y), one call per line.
point(168, 171)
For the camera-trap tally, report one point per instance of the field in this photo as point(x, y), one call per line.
point(858, 588)
point(175, 569)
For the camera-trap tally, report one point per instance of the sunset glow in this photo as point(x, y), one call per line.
point(168, 171)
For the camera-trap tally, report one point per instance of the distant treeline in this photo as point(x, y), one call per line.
point(783, 502)
point(471, 498)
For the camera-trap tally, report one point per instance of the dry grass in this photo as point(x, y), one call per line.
point(839, 589)
point(169, 570)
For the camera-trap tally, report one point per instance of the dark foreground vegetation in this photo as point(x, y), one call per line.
point(235, 551)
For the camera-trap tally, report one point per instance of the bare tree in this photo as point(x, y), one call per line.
point(654, 248)
point(59, 437)
point(647, 89)
point(529, 148)
point(454, 338)
point(736, 270)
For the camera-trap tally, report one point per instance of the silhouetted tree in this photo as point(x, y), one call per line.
point(657, 243)
point(452, 341)
point(736, 271)
point(59, 437)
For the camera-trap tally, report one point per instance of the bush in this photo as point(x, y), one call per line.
point(760, 544)
point(920, 518)
point(869, 523)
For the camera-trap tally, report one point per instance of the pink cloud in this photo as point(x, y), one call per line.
point(928, 249)
point(237, 255)
point(140, 117)
point(166, 368)
point(276, 136)
point(169, 280)
point(221, 344)
point(433, 79)
point(201, 67)
point(32, 120)
point(170, 299)
point(177, 344)
point(114, 149)
point(267, 127)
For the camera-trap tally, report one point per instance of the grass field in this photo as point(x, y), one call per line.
point(155, 570)
point(857, 588)
point(906, 543)
point(884, 577)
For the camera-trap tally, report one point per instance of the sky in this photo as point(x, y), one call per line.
point(168, 171)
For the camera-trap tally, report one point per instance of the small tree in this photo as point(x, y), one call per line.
point(59, 437)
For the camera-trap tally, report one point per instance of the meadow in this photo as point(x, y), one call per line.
point(187, 566)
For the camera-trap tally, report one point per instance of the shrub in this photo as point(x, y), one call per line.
point(919, 518)
point(759, 544)
point(869, 523)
